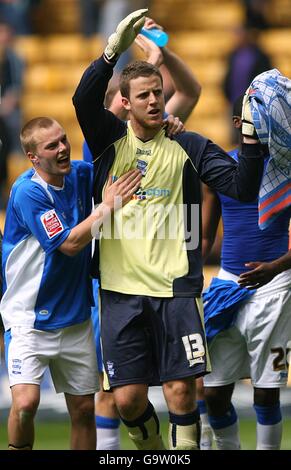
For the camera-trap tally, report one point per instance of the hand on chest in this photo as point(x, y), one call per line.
point(160, 165)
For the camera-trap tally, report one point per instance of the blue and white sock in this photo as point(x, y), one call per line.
point(107, 433)
point(206, 431)
point(226, 430)
point(269, 427)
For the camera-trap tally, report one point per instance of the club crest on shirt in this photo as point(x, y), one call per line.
point(51, 223)
point(142, 165)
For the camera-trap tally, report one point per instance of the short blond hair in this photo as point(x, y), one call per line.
point(27, 140)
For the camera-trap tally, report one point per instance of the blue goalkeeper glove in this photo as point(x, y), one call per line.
point(125, 34)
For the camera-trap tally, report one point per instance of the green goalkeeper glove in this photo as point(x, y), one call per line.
point(125, 34)
point(248, 128)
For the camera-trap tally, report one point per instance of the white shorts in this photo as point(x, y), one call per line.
point(69, 353)
point(258, 345)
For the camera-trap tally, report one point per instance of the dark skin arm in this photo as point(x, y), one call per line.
point(262, 273)
point(211, 213)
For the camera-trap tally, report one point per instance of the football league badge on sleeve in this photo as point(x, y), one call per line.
point(51, 223)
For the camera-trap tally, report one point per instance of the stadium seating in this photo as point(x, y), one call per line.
point(277, 42)
point(58, 16)
point(278, 13)
point(197, 14)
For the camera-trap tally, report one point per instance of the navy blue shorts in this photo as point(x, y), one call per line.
point(152, 340)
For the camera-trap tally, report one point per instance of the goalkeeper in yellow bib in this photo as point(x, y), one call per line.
point(148, 260)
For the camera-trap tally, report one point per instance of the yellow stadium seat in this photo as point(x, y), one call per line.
point(197, 14)
point(208, 72)
point(31, 48)
point(95, 47)
point(53, 77)
point(37, 77)
point(283, 64)
point(58, 16)
point(202, 44)
point(17, 164)
point(66, 48)
point(211, 103)
point(215, 128)
point(278, 13)
point(56, 105)
point(277, 42)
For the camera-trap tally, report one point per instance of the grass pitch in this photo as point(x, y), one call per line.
point(56, 435)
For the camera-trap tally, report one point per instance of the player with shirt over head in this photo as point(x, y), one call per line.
point(256, 344)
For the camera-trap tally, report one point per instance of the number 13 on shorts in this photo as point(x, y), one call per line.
point(194, 348)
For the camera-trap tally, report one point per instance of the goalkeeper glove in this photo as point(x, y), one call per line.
point(125, 34)
point(248, 128)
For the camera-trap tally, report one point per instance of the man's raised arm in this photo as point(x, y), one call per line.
point(99, 126)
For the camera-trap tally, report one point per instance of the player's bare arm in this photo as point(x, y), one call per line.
point(262, 273)
point(120, 191)
point(211, 213)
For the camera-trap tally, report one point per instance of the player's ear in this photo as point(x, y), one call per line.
point(125, 103)
point(32, 157)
